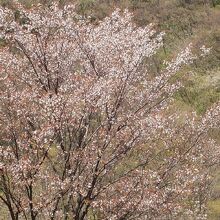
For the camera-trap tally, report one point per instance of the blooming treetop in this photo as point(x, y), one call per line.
point(85, 131)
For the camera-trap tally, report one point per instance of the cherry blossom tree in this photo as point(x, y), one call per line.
point(86, 131)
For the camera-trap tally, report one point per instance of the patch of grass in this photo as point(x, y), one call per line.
point(214, 209)
point(199, 99)
point(6, 3)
